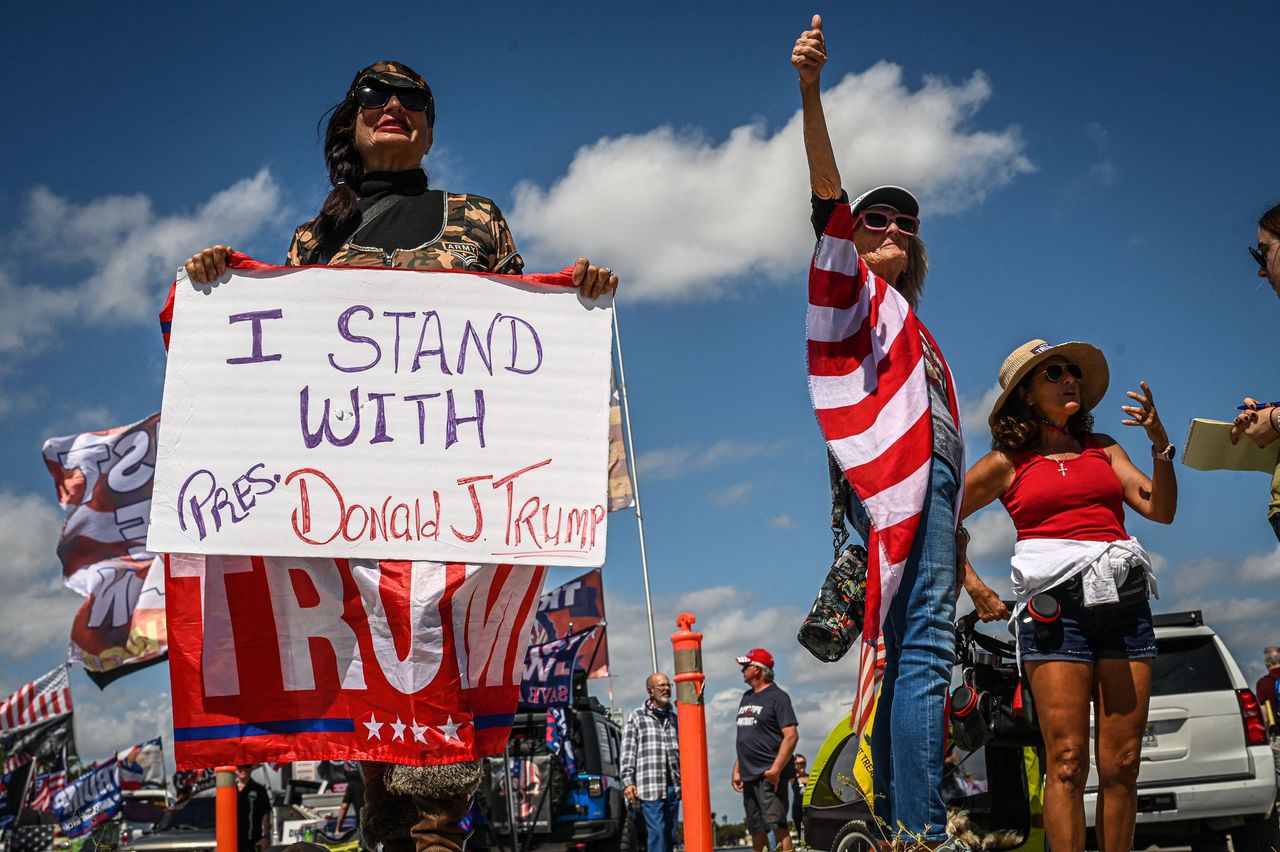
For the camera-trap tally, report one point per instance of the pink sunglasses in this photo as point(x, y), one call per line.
point(879, 220)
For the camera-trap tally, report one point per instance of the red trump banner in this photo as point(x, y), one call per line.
point(104, 480)
point(277, 659)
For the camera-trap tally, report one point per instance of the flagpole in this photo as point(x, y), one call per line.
point(635, 487)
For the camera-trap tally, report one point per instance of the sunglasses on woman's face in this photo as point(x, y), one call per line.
point(1055, 372)
point(375, 96)
point(880, 220)
point(1260, 256)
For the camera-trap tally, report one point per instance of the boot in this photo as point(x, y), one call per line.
point(386, 818)
point(441, 796)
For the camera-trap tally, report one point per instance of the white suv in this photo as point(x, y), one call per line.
point(1207, 769)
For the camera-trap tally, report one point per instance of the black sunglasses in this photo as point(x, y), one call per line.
point(1259, 256)
point(1054, 372)
point(375, 96)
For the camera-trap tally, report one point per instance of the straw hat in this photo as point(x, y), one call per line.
point(1024, 359)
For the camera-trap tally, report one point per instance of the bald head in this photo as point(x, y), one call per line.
point(659, 688)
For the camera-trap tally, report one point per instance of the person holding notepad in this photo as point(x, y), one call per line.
point(1082, 582)
point(1260, 421)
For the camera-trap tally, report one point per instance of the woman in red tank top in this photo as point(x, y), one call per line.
point(1065, 487)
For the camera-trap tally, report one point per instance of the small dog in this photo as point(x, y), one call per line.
point(959, 825)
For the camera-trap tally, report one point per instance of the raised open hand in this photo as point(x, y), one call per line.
point(1144, 414)
point(810, 52)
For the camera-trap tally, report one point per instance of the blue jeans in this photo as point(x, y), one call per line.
point(660, 821)
point(908, 737)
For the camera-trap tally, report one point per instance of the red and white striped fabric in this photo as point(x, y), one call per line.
point(44, 788)
point(47, 697)
point(871, 395)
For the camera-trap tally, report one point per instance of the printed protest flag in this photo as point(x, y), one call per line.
point(90, 800)
point(51, 778)
point(572, 607)
point(621, 491)
point(188, 782)
point(548, 670)
point(142, 765)
point(283, 659)
point(104, 480)
point(42, 742)
point(45, 698)
point(13, 789)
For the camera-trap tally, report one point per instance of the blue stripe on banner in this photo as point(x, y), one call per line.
point(165, 327)
point(262, 729)
point(501, 720)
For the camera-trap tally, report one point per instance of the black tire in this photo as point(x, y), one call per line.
point(1208, 842)
point(627, 839)
point(854, 836)
point(1258, 834)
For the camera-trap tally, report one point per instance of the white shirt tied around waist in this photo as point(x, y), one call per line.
point(1043, 564)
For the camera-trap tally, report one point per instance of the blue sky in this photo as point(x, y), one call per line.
point(1088, 171)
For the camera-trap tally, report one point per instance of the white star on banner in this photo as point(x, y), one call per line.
point(398, 727)
point(450, 730)
point(375, 728)
point(419, 731)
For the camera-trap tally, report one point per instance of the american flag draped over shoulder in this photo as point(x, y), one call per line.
point(871, 395)
point(47, 697)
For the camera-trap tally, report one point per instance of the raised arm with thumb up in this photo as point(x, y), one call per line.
point(809, 56)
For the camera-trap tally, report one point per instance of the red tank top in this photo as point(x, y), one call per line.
point(1085, 504)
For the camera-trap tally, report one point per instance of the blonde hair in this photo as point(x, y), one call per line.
point(911, 282)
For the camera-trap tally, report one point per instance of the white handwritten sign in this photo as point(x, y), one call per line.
point(385, 414)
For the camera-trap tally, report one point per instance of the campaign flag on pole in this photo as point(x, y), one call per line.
point(142, 766)
point(13, 787)
point(188, 782)
point(291, 658)
point(104, 480)
point(47, 697)
point(89, 800)
point(869, 384)
point(42, 742)
point(47, 784)
point(571, 607)
point(548, 670)
point(621, 492)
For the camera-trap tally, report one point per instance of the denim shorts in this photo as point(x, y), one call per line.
point(1085, 634)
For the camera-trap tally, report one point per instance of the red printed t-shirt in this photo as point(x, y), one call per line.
point(1086, 503)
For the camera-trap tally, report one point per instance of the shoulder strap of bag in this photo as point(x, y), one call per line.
point(841, 493)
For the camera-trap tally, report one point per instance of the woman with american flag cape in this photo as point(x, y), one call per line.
point(886, 403)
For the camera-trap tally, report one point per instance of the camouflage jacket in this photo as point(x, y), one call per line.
point(474, 237)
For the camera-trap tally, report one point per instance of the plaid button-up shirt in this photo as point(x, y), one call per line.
point(651, 752)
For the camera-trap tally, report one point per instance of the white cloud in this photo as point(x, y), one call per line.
point(992, 536)
point(131, 251)
point(679, 215)
point(731, 495)
point(675, 462)
point(782, 522)
point(35, 609)
point(115, 719)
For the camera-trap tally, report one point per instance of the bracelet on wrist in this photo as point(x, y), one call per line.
point(1271, 418)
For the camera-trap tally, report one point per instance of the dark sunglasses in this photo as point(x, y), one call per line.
point(1054, 372)
point(879, 220)
point(1259, 256)
point(375, 96)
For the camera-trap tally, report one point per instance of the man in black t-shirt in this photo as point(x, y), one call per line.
point(767, 738)
point(253, 811)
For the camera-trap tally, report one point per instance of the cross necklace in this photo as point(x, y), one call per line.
point(1062, 463)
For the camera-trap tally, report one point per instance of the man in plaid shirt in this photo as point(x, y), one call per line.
point(651, 763)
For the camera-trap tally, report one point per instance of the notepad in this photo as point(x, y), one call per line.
point(1209, 447)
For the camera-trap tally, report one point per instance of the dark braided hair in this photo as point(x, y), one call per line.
point(340, 213)
point(341, 210)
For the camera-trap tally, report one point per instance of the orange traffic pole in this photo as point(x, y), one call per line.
point(225, 809)
point(695, 782)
